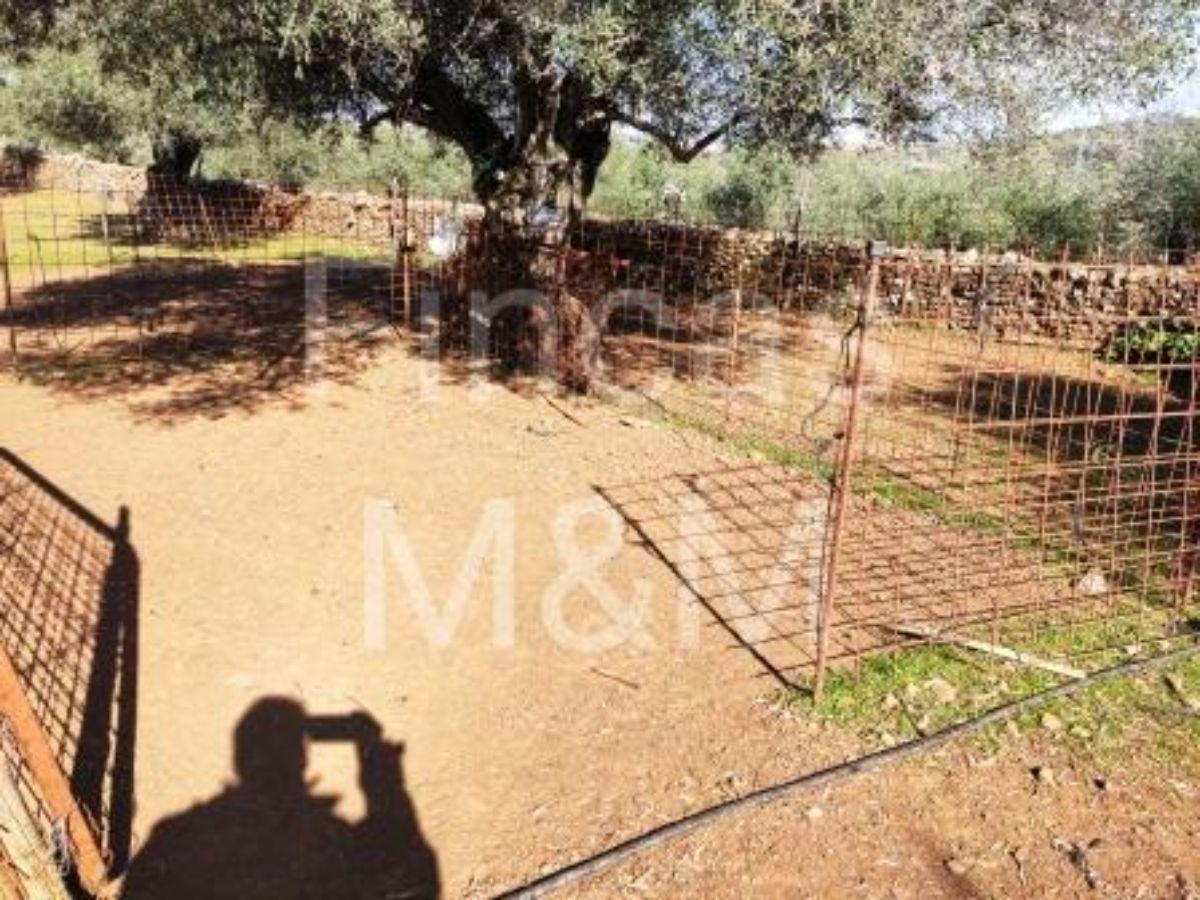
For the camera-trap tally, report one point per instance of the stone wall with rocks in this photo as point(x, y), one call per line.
point(1009, 295)
point(222, 211)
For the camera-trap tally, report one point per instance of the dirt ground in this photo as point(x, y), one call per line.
point(250, 531)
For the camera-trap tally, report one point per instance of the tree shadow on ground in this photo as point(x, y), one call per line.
point(206, 336)
point(187, 338)
point(1105, 468)
point(267, 836)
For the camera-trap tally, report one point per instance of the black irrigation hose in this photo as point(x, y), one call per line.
point(794, 786)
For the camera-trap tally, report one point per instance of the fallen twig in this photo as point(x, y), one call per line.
point(1025, 659)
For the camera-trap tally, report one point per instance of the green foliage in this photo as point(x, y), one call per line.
point(1134, 194)
point(65, 101)
point(1115, 193)
point(1155, 341)
point(755, 192)
point(1161, 202)
point(276, 152)
point(337, 157)
point(639, 181)
point(533, 89)
point(63, 98)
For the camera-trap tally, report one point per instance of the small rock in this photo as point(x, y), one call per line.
point(1051, 722)
point(942, 690)
point(889, 703)
point(1043, 775)
point(1093, 584)
point(957, 866)
point(813, 813)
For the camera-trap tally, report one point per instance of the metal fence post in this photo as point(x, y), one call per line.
point(401, 238)
point(6, 286)
point(731, 373)
point(841, 480)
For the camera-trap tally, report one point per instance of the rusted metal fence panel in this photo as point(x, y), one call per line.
point(68, 670)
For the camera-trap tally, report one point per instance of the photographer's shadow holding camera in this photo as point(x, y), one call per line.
point(267, 836)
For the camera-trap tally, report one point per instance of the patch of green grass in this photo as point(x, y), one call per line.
point(901, 695)
point(898, 493)
point(752, 446)
point(893, 696)
point(888, 490)
point(1125, 627)
point(48, 232)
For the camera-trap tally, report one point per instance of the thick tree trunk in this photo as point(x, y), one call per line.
point(533, 208)
point(544, 189)
point(533, 179)
point(175, 155)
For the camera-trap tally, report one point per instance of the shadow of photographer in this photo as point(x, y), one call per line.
point(268, 836)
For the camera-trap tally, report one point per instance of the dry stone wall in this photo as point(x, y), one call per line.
point(1009, 295)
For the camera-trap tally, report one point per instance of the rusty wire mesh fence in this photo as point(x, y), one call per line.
point(1001, 457)
point(68, 657)
point(205, 288)
point(938, 446)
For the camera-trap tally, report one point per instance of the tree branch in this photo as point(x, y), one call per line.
point(681, 153)
point(368, 125)
point(436, 102)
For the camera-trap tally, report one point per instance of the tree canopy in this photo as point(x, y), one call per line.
point(531, 90)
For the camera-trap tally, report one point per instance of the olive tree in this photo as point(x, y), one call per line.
point(532, 90)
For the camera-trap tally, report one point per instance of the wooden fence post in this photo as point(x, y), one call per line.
point(44, 769)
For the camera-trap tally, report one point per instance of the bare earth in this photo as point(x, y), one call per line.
point(250, 532)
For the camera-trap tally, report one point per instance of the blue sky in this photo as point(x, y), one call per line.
point(1183, 99)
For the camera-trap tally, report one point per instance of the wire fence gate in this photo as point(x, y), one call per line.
point(68, 688)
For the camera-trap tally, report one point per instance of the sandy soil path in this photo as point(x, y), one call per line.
point(250, 532)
